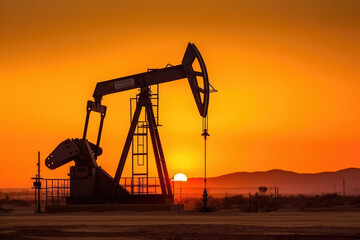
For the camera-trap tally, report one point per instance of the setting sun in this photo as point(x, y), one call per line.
point(180, 177)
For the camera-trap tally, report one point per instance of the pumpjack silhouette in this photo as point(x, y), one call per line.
point(89, 183)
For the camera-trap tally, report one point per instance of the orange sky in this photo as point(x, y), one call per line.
point(287, 74)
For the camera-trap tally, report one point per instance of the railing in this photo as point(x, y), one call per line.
point(26, 194)
point(56, 191)
point(141, 185)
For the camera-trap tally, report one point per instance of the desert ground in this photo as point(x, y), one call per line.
point(22, 223)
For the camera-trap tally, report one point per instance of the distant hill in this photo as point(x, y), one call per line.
point(288, 182)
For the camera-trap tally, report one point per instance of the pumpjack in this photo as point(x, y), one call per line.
point(89, 183)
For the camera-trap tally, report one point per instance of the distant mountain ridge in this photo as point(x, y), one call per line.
point(289, 182)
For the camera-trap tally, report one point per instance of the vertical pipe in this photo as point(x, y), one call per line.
point(276, 206)
point(46, 192)
point(278, 198)
point(35, 198)
point(39, 182)
point(52, 191)
point(58, 192)
point(205, 134)
point(99, 134)
point(205, 192)
point(88, 110)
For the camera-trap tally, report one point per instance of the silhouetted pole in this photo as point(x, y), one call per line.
point(275, 200)
point(37, 186)
point(205, 133)
point(38, 164)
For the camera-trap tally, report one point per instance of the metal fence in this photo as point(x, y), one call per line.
point(27, 194)
point(141, 185)
point(55, 192)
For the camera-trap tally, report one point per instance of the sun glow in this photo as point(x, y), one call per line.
point(180, 177)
